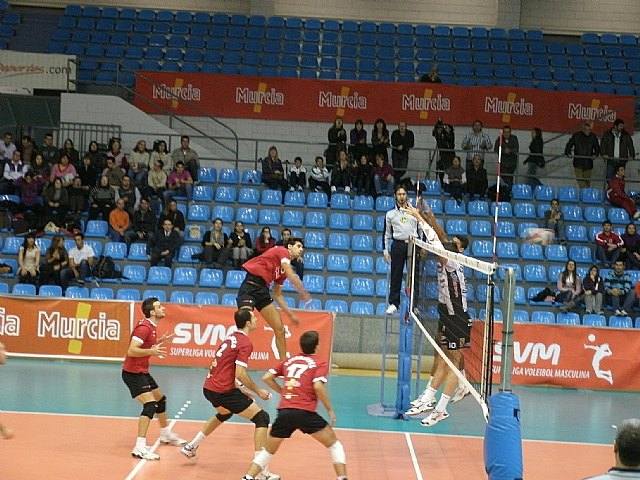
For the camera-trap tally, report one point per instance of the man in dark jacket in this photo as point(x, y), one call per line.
point(143, 224)
point(616, 147)
point(402, 141)
point(583, 147)
point(165, 245)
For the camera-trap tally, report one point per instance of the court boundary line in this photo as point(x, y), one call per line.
point(414, 459)
point(346, 429)
point(142, 462)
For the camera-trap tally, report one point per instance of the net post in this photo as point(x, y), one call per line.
point(507, 331)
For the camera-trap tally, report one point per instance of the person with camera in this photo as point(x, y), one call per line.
point(554, 220)
point(445, 141)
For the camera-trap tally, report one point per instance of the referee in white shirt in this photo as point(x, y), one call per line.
point(399, 227)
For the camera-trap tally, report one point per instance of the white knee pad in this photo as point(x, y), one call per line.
point(262, 458)
point(337, 453)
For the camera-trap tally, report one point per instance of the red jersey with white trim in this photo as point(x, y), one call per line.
point(299, 374)
point(145, 332)
point(268, 265)
point(235, 350)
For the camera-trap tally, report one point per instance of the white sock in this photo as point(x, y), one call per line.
point(442, 403)
point(141, 442)
point(165, 431)
point(429, 394)
point(197, 439)
point(342, 477)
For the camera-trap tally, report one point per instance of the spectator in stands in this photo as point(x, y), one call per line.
point(617, 287)
point(156, 182)
point(240, 245)
point(476, 142)
point(69, 150)
point(535, 160)
point(187, 155)
point(363, 176)
point(88, 173)
point(56, 202)
point(113, 173)
point(402, 141)
point(618, 197)
point(49, 151)
point(431, 76)
point(139, 164)
point(143, 224)
point(64, 170)
point(593, 287)
point(337, 137)
point(117, 155)
point(554, 220)
point(455, 179)
point(358, 141)
point(631, 247)
point(119, 222)
point(172, 213)
point(380, 140)
point(569, 286)
point(341, 174)
point(583, 147)
point(616, 147)
point(265, 241)
point(446, 142)
point(29, 261)
point(297, 176)
point(29, 189)
point(626, 448)
point(510, 149)
point(78, 196)
point(102, 199)
point(297, 263)
point(216, 246)
point(130, 194)
point(477, 181)
point(13, 170)
point(273, 173)
point(55, 261)
point(164, 246)
point(320, 177)
point(40, 168)
point(28, 149)
point(81, 259)
point(608, 245)
point(96, 156)
point(179, 183)
point(160, 152)
point(383, 178)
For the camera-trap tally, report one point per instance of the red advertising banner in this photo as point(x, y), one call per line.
point(577, 357)
point(199, 330)
point(64, 327)
point(234, 96)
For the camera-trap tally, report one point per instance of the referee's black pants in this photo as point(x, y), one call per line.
point(399, 249)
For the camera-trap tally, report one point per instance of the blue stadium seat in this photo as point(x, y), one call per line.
point(138, 252)
point(340, 201)
point(576, 233)
point(362, 243)
point(102, 293)
point(228, 300)
point(543, 317)
point(482, 249)
point(337, 306)
point(97, 228)
point(181, 296)
point(251, 177)
point(535, 273)
point(186, 252)
point(544, 193)
point(620, 322)
point(294, 218)
point(595, 214)
point(521, 192)
point(199, 213)
point(314, 304)
point(432, 187)
point(531, 252)
point(435, 204)
point(24, 289)
point(337, 285)
point(340, 221)
point(247, 215)
point(480, 228)
point(572, 213)
point(478, 208)
point(337, 262)
point(554, 272)
point(313, 283)
point(202, 193)
point(361, 308)
point(384, 203)
point(363, 203)
point(313, 260)
point(207, 175)
point(594, 320)
point(228, 176)
point(223, 212)
point(456, 227)
point(482, 292)
point(184, 276)
point(135, 274)
point(556, 253)
point(568, 318)
point(520, 296)
point(361, 287)
point(580, 254)
point(618, 216)
point(155, 292)
point(49, 291)
point(225, 195)
point(269, 216)
point(315, 240)
point(516, 267)
point(508, 250)
point(159, 276)
point(234, 278)
point(382, 287)
point(506, 229)
point(250, 196)
point(75, 292)
point(294, 199)
point(362, 222)
point(504, 209)
point(211, 278)
point(380, 223)
point(568, 194)
point(206, 298)
point(362, 264)
point(317, 200)
point(591, 195)
point(524, 210)
point(452, 207)
point(338, 241)
point(520, 316)
point(272, 197)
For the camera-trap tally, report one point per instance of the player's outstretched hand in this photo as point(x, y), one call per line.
point(158, 350)
point(164, 338)
point(264, 394)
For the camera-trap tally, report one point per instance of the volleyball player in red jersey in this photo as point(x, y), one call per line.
point(304, 378)
point(220, 388)
point(135, 373)
point(273, 266)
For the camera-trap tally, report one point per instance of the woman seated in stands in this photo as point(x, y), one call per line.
point(139, 164)
point(240, 242)
point(29, 261)
point(102, 199)
point(358, 141)
point(265, 241)
point(631, 247)
point(160, 153)
point(593, 287)
point(40, 168)
point(477, 180)
point(56, 259)
point(569, 286)
point(455, 179)
point(273, 172)
point(341, 174)
point(119, 158)
point(56, 202)
point(64, 170)
point(383, 177)
point(96, 156)
point(380, 139)
point(70, 151)
point(363, 176)
point(216, 244)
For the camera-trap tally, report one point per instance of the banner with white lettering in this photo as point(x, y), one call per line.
point(64, 328)
point(37, 70)
point(570, 356)
point(234, 96)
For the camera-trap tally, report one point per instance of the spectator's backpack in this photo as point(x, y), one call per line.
point(105, 268)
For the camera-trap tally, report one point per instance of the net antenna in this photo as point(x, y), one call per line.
point(478, 358)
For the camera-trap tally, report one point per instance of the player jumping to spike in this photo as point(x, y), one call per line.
point(273, 266)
